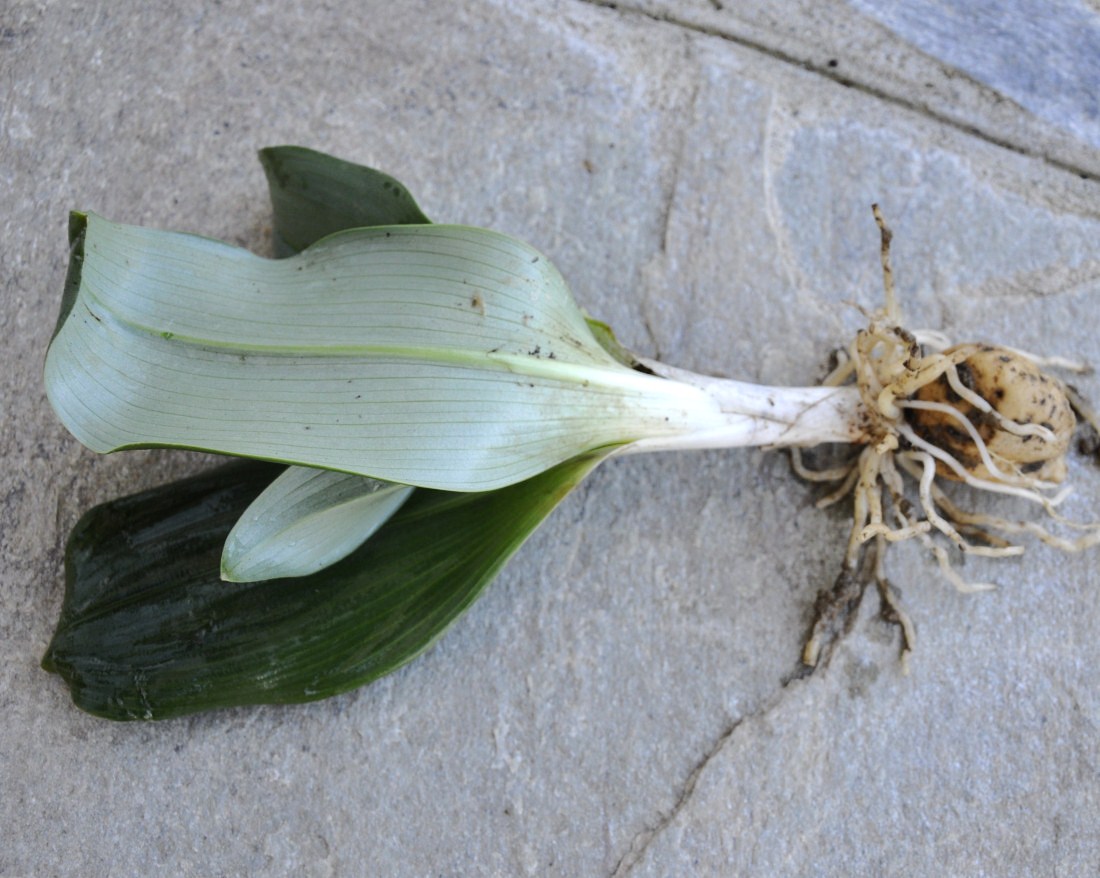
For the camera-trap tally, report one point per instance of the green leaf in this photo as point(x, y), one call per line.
point(606, 338)
point(149, 630)
point(438, 356)
point(306, 520)
point(315, 195)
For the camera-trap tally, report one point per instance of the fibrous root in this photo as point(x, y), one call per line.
point(979, 414)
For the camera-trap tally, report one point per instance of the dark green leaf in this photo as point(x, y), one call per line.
point(149, 630)
point(315, 195)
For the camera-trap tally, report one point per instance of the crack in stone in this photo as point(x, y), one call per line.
point(828, 73)
point(640, 843)
point(669, 201)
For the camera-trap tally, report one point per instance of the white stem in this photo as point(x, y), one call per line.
point(757, 415)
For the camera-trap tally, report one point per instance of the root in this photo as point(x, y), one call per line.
point(833, 615)
point(835, 610)
point(892, 367)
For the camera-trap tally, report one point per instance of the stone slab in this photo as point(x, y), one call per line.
point(622, 700)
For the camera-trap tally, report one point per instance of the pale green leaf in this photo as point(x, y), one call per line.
point(439, 356)
point(306, 520)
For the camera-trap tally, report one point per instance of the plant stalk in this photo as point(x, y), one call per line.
point(760, 415)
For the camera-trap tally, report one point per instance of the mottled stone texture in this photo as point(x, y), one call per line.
point(616, 703)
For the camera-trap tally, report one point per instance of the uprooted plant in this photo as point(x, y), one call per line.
point(424, 382)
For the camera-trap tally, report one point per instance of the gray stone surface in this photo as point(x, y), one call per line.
point(1022, 73)
point(619, 703)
